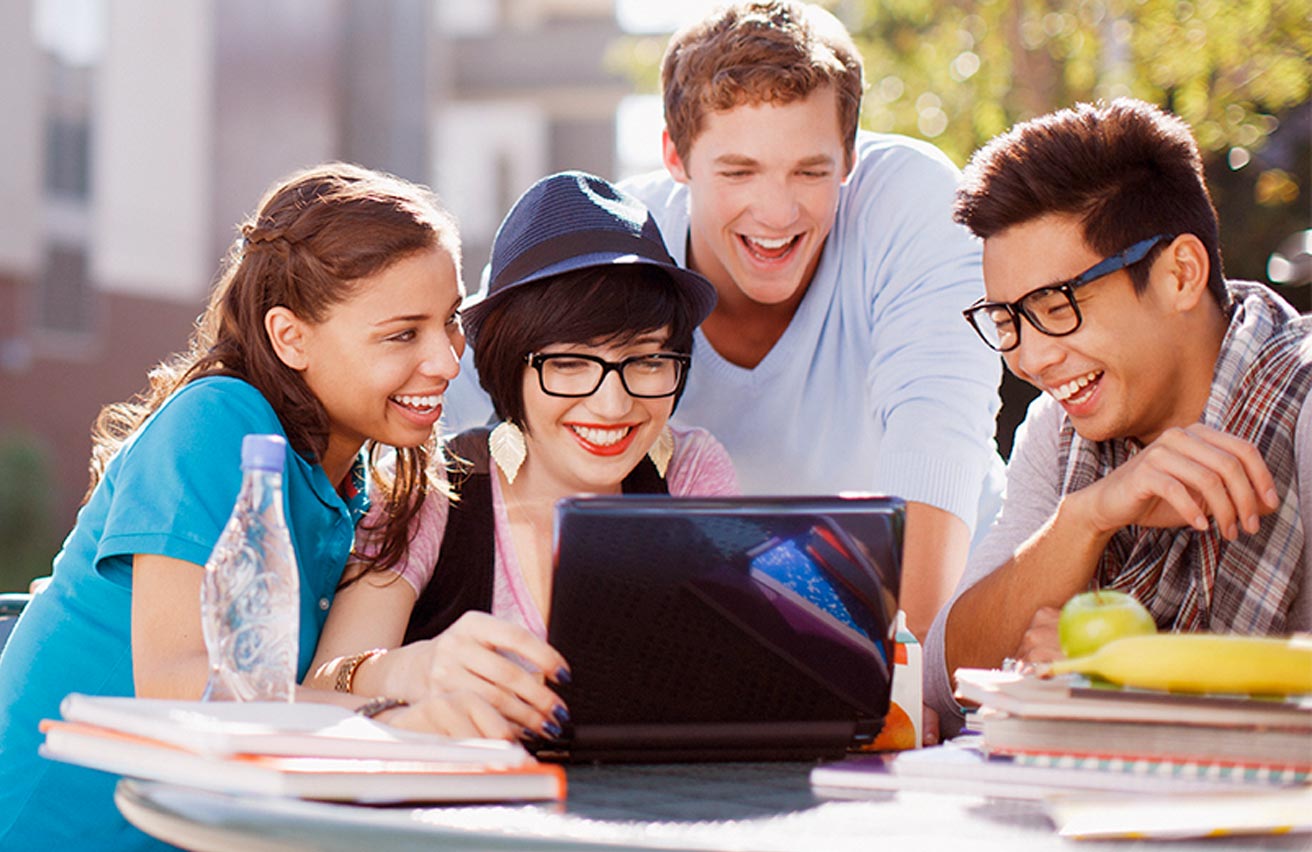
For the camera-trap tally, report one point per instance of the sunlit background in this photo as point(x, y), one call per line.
point(136, 133)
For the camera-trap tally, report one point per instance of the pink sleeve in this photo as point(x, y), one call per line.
point(701, 467)
point(416, 568)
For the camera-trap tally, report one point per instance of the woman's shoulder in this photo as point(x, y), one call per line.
point(701, 466)
point(218, 402)
point(207, 414)
point(691, 436)
point(224, 391)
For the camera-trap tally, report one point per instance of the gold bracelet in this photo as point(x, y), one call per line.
point(347, 668)
point(381, 704)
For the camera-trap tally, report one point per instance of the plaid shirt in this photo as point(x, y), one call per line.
point(1196, 580)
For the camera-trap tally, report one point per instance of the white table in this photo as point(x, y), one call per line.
point(759, 807)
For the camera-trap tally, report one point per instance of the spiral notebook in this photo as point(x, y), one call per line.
point(724, 628)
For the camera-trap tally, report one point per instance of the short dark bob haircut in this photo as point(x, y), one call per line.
point(595, 305)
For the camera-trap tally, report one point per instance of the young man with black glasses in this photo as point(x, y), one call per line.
point(1170, 455)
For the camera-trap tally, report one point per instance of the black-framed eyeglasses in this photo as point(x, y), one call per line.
point(571, 374)
point(1052, 310)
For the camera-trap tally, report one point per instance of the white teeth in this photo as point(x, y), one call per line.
point(770, 245)
point(601, 437)
point(1074, 386)
point(420, 403)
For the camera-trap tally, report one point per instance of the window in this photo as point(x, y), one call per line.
point(64, 302)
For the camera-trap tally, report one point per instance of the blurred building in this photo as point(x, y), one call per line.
point(137, 133)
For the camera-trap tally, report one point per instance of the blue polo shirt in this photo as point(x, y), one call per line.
point(168, 491)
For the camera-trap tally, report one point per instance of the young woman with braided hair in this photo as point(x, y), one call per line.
point(335, 324)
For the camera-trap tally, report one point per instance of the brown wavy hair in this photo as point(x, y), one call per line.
point(759, 51)
point(314, 236)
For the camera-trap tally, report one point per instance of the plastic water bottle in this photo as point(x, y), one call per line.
point(250, 595)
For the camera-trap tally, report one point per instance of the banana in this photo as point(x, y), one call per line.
point(1201, 662)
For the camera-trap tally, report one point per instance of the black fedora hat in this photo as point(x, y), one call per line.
point(574, 220)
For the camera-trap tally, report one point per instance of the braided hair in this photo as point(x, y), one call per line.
point(314, 235)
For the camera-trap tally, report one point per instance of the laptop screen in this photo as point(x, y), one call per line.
point(724, 628)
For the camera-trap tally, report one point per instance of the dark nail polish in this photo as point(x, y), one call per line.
point(561, 714)
point(562, 675)
point(531, 736)
point(552, 729)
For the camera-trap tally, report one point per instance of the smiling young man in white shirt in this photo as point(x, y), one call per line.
point(835, 359)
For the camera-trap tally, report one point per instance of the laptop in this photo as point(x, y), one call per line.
point(743, 628)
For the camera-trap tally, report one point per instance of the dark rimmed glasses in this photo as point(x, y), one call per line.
point(572, 374)
point(1052, 310)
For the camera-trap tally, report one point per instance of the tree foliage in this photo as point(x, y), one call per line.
point(26, 511)
point(960, 73)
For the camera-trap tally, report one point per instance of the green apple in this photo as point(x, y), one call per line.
point(1092, 619)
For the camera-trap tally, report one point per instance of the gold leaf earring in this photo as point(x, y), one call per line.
point(506, 444)
point(662, 451)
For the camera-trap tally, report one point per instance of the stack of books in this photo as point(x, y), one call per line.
point(1040, 737)
point(1111, 762)
point(1069, 722)
point(295, 750)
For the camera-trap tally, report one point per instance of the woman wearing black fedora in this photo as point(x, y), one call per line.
point(582, 339)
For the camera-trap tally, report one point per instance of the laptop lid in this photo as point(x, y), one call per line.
point(724, 628)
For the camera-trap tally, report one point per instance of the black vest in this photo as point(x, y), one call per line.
point(466, 564)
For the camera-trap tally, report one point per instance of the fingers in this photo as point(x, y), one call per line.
point(1040, 643)
point(480, 677)
point(1252, 467)
point(506, 636)
point(1222, 483)
point(488, 722)
point(453, 714)
point(929, 726)
point(1225, 473)
point(1189, 489)
point(1187, 476)
point(517, 694)
point(497, 667)
point(500, 662)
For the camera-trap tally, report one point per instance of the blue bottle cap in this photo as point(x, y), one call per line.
point(263, 452)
